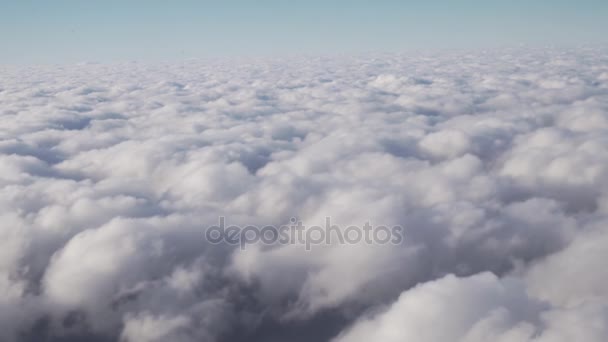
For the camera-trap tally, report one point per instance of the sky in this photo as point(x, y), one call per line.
point(75, 31)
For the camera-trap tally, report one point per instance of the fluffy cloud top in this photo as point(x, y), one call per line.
point(495, 163)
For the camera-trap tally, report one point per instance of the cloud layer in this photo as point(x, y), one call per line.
point(495, 163)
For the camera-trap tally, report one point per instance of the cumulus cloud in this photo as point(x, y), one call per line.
point(480, 308)
point(494, 163)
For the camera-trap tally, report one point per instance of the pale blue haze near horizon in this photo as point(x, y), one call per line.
point(67, 31)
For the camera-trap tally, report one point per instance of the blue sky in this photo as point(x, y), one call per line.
point(107, 30)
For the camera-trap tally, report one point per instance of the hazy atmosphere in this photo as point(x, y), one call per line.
point(72, 31)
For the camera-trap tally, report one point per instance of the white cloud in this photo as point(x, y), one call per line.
point(495, 164)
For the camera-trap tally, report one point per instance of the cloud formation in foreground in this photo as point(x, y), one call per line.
point(495, 163)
